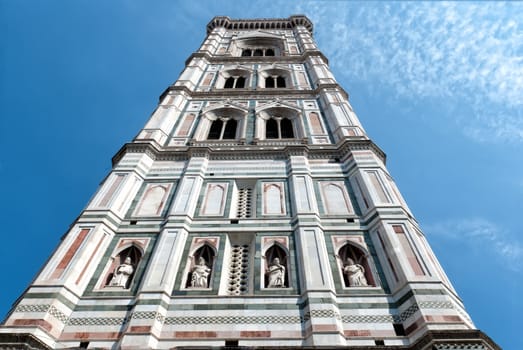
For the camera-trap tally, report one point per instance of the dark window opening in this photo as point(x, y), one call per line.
point(216, 130)
point(379, 342)
point(258, 52)
point(84, 344)
point(232, 343)
point(246, 53)
point(133, 222)
point(286, 129)
point(269, 82)
point(229, 83)
point(269, 52)
point(240, 83)
point(271, 129)
point(398, 329)
point(280, 82)
point(230, 130)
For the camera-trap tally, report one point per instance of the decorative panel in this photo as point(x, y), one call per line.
point(153, 199)
point(273, 198)
point(214, 200)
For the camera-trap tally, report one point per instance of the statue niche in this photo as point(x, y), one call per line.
point(200, 273)
point(276, 272)
point(123, 273)
point(355, 267)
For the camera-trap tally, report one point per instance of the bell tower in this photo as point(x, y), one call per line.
point(252, 210)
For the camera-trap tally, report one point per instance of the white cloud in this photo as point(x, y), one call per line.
point(466, 53)
point(484, 235)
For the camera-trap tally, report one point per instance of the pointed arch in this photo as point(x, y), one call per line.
point(352, 255)
point(202, 266)
point(120, 274)
point(276, 267)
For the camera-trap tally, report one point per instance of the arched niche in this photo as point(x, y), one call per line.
point(353, 263)
point(277, 263)
point(123, 267)
point(201, 267)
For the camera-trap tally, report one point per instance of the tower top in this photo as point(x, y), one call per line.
point(260, 23)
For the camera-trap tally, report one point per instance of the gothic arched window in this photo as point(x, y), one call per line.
point(355, 267)
point(276, 271)
point(237, 82)
point(280, 82)
point(269, 82)
point(269, 52)
point(229, 83)
point(276, 128)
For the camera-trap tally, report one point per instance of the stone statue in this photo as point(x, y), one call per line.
point(355, 274)
point(200, 274)
point(276, 274)
point(122, 273)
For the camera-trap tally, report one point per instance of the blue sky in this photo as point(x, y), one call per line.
point(438, 86)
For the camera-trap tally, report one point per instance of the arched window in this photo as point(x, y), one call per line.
point(276, 270)
point(237, 82)
point(279, 128)
point(246, 53)
point(240, 83)
point(269, 52)
point(355, 267)
point(200, 272)
point(286, 130)
point(271, 129)
point(216, 130)
point(258, 52)
point(269, 82)
point(123, 268)
point(280, 82)
point(223, 129)
point(229, 83)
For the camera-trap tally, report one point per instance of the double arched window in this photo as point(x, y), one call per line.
point(234, 82)
point(279, 128)
point(275, 81)
point(223, 129)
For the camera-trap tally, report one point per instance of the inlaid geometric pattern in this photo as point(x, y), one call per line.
point(233, 320)
point(435, 305)
point(59, 315)
point(33, 308)
point(144, 315)
point(97, 321)
point(322, 314)
point(148, 315)
point(409, 312)
point(369, 319)
point(465, 346)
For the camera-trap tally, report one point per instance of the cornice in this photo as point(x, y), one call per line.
point(252, 94)
point(241, 151)
point(259, 23)
point(295, 59)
